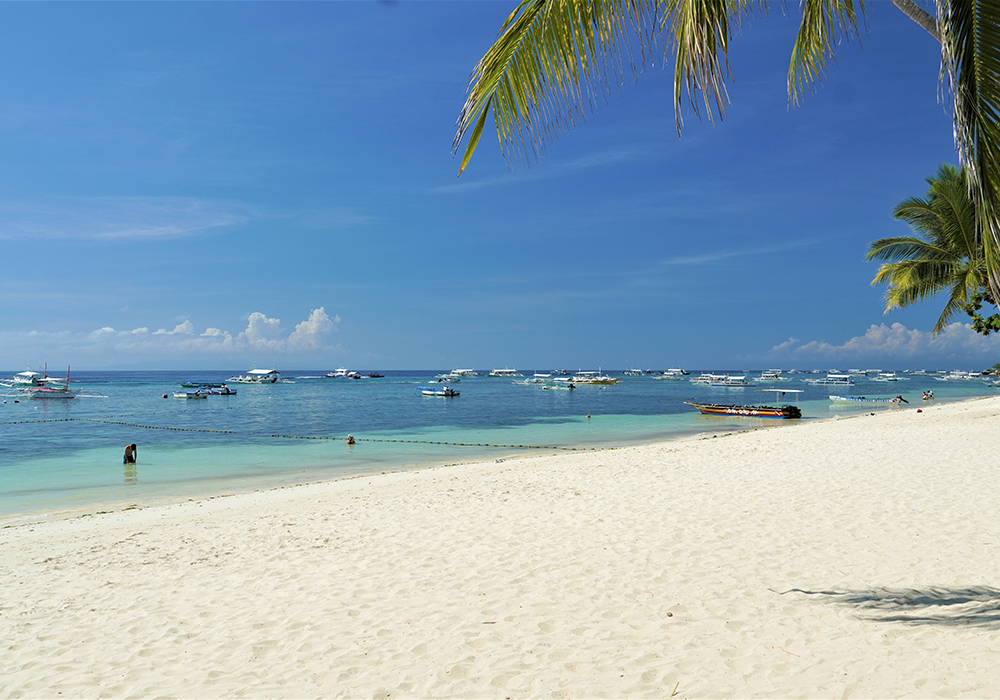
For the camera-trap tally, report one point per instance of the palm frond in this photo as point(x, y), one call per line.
point(970, 31)
point(699, 35)
point(550, 58)
point(825, 23)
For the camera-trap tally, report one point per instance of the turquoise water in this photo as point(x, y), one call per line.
point(65, 456)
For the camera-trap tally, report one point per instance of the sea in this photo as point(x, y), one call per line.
point(63, 457)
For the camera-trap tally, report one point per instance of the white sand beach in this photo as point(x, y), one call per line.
point(853, 558)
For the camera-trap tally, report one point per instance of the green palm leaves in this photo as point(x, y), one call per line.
point(552, 57)
point(945, 257)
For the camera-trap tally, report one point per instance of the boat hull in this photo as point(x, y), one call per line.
point(715, 409)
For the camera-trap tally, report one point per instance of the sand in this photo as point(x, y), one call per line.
point(857, 557)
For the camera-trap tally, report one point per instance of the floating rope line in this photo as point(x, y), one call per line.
point(317, 437)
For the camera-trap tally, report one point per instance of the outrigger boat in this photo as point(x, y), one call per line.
point(55, 391)
point(716, 409)
point(863, 399)
point(189, 395)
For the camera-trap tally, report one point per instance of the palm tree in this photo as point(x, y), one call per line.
point(945, 257)
point(553, 56)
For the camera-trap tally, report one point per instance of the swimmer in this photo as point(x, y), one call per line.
point(350, 439)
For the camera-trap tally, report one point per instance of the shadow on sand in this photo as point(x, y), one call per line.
point(975, 606)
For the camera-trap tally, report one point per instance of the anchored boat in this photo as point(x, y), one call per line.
point(718, 409)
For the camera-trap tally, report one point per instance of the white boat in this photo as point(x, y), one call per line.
point(51, 388)
point(729, 380)
point(773, 375)
point(464, 373)
point(505, 373)
point(257, 376)
point(833, 380)
point(339, 374)
point(707, 378)
point(443, 391)
point(886, 377)
point(591, 377)
point(633, 373)
point(29, 378)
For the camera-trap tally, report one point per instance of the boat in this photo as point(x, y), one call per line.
point(673, 374)
point(216, 390)
point(338, 374)
point(202, 385)
point(633, 373)
point(464, 373)
point(505, 373)
point(707, 378)
point(51, 388)
point(591, 377)
point(833, 379)
point(787, 411)
point(443, 391)
point(375, 375)
point(885, 377)
point(772, 375)
point(864, 399)
point(257, 376)
point(28, 378)
point(189, 395)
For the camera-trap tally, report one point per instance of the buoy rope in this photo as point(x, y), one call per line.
point(315, 437)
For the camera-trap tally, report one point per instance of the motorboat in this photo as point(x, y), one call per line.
point(375, 375)
point(190, 395)
point(443, 391)
point(340, 373)
point(216, 390)
point(886, 377)
point(464, 373)
point(257, 376)
point(673, 374)
point(202, 385)
point(772, 375)
point(633, 373)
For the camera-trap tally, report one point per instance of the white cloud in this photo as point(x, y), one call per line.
point(957, 342)
point(186, 328)
point(107, 346)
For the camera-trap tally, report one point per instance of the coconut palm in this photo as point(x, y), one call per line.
point(945, 257)
point(551, 57)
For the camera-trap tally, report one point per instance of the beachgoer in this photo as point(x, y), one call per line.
point(350, 439)
point(131, 452)
point(901, 399)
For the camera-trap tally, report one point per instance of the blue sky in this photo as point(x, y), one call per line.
point(212, 185)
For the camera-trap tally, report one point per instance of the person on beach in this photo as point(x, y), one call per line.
point(131, 452)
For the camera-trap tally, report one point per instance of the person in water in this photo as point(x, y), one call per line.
point(350, 439)
point(131, 452)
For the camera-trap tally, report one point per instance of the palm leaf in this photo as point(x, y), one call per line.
point(551, 57)
point(971, 53)
point(825, 23)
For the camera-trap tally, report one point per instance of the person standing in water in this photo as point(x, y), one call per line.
point(131, 452)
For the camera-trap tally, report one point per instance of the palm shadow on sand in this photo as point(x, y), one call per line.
point(975, 606)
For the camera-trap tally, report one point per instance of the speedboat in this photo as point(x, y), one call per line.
point(443, 391)
point(257, 376)
point(340, 373)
